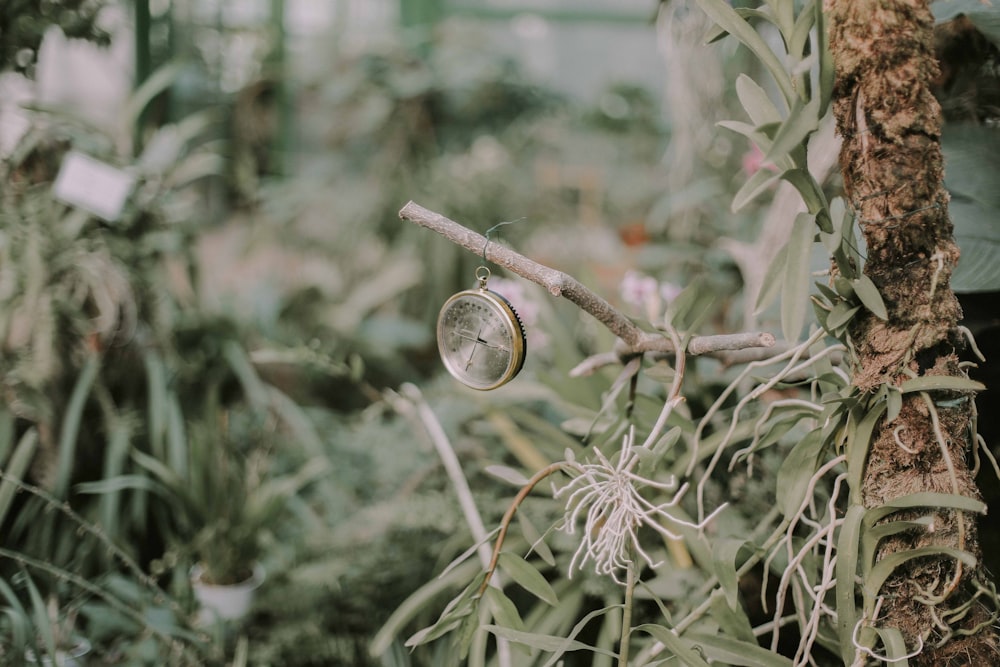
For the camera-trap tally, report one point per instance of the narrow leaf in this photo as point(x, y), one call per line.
point(756, 102)
point(796, 471)
point(732, 651)
point(577, 629)
point(894, 404)
point(801, 122)
point(761, 180)
point(895, 646)
point(546, 643)
point(679, 647)
point(940, 382)
point(724, 553)
point(71, 424)
point(118, 484)
point(870, 297)
point(771, 286)
point(502, 608)
point(848, 545)
point(507, 474)
point(825, 60)
point(528, 577)
point(859, 439)
point(726, 17)
point(15, 468)
point(888, 564)
point(812, 195)
point(412, 605)
point(535, 539)
point(800, 31)
point(840, 316)
point(929, 499)
point(733, 621)
point(795, 283)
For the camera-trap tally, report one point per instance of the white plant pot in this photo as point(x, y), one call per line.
point(229, 602)
point(71, 657)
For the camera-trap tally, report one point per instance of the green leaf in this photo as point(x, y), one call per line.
point(826, 69)
point(114, 463)
point(119, 483)
point(752, 132)
point(14, 470)
point(71, 424)
point(754, 186)
point(858, 441)
point(535, 539)
point(756, 102)
point(795, 283)
point(800, 31)
point(894, 404)
point(155, 83)
point(724, 553)
point(848, 545)
point(503, 609)
point(796, 471)
point(419, 600)
point(929, 499)
point(43, 623)
point(888, 564)
point(940, 383)
point(679, 647)
point(569, 639)
point(726, 17)
point(870, 297)
point(466, 632)
point(546, 643)
point(730, 651)
point(528, 577)
point(812, 195)
point(733, 621)
point(801, 122)
point(895, 646)
point(840, 316)
point(873, 535)
point(771, 286)
point(507, 474)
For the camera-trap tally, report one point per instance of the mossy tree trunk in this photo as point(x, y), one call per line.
point(890, 123)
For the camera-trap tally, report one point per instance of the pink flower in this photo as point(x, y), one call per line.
point(753, 161)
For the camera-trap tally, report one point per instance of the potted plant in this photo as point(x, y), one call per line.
point(228, 502)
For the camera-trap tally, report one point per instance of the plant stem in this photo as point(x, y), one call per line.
point(509, 516)
point(627, 615)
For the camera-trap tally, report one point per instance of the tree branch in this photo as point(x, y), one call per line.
point(557, 283)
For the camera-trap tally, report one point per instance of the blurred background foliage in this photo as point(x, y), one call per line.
point(244, 323)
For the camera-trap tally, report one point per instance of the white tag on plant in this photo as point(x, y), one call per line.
point(92, 185)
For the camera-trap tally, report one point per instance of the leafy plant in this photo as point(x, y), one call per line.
point(793, 425)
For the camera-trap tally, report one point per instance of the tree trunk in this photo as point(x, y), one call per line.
point(883, 52)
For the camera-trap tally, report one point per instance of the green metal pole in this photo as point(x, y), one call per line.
point(281, 147)
point(143, 62)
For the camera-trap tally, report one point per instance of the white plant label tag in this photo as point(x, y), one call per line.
point(92, 185)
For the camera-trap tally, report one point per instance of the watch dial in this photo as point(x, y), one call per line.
point(480, 339)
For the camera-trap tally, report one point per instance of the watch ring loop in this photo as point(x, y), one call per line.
point(483, 274)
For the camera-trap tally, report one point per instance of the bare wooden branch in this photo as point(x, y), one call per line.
point(634, 340)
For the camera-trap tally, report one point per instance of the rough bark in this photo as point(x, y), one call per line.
point(883, 52)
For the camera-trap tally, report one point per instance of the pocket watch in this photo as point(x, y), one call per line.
point(480, 337)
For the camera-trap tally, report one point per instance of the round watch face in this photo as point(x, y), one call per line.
point(480, 339)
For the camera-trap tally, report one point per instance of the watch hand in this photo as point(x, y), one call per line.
point(471, 354)
point(479, 340)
